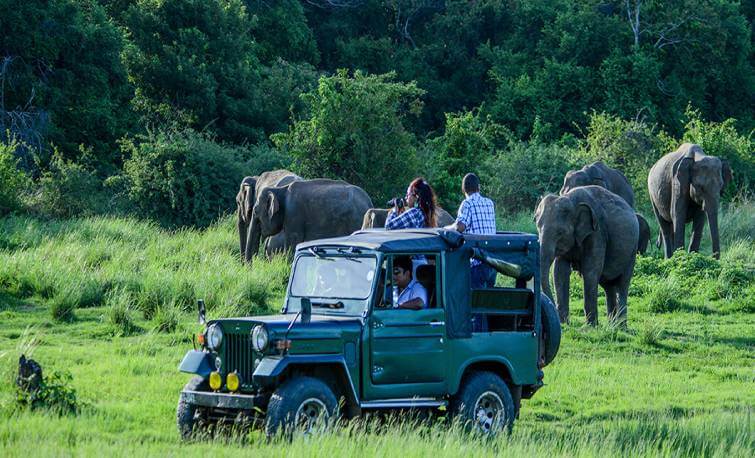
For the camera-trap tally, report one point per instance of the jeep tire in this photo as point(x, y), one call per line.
point(484, 404)
point(301, 405)
point(186, 413)
point(551, 329)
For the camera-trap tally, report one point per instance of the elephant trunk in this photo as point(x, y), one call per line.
point(547, 255)
point(254, 234)
point(712, 210)
point(242, 227)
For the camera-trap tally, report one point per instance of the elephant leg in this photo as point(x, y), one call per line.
point(698, 223)
point(561, 274)
point(666, 234)
point(611, 301)
point(590, 282)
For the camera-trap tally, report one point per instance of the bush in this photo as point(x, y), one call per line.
point(68, 189)
point(54, 393)
point(182, 178)
point(651, 334)
point(665, 297)
point(468, 141)
point(517, 177)
point(356, 132)
point(733, 279)
point(12, 179)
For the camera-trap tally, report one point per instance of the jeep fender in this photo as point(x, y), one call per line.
point(272, 367)
point(497, 361)
point(196, 362)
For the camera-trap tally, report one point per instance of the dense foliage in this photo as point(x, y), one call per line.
point(376, 92)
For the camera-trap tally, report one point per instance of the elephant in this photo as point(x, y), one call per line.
point(249, 191)
point(686, 185)
point(306, 210)
point(599, 174)
point(374, 218)
point(595, 232)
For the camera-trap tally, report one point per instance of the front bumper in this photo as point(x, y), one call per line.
point(224, 400)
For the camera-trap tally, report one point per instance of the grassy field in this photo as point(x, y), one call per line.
point(110, 303)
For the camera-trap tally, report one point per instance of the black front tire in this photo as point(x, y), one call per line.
point(484, 404)
point(302, 404)
point(186, 413)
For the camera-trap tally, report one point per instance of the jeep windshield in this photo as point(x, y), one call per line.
point(335, 284)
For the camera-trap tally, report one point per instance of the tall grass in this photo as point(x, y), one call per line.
point(78, 263)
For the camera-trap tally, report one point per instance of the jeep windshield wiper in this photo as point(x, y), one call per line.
point(347, 252)
point(319, 252)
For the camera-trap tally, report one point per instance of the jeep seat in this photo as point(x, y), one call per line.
point(426, 277)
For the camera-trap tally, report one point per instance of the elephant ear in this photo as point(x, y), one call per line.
point(595, 177)
point(725, 174)
point(273, 202)
point(683, 174)
point(586, 223)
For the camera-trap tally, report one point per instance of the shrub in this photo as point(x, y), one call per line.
point(12, 179)
point(666, 297)
point(182, 178)
point(68, 189)
point(356, 132)
point(54, 393)
point(689, 268)
point(517, 177)
point(733, 279)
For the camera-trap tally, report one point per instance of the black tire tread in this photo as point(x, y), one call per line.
point(185, 411)
point(551, 329)
point(286, 399)
point(473, 385)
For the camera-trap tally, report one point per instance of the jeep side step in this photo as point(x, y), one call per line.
point(403, 403)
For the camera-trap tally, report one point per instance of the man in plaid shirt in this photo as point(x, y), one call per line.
point(476, 216)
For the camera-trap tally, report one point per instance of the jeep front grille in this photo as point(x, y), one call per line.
point(239, 356)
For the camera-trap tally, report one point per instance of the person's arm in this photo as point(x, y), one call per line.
point(463, 219)
point(406, 220)
point(413, 304)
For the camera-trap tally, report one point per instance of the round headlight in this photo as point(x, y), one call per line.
point(259, 338)
point(214, 336)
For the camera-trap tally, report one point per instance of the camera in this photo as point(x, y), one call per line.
point(397, 202)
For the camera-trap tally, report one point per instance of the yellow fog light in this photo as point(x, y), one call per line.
point(215, 380)
point(233, 381)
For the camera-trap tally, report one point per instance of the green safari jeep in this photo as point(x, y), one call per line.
point(341, 347)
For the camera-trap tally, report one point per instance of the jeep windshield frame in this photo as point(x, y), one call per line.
point(337, 282)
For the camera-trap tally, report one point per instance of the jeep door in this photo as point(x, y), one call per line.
point(407, 354)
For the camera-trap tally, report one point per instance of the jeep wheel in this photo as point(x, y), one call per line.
point(484, 404)
point(551, 329)
point(303, 405)
point(186, 413)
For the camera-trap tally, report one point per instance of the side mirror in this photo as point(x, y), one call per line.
point(202, 311)
point(306, 310)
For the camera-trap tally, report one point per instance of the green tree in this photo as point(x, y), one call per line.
point(197, 56)
point(62, 78)
point(12, 179)
point(355, 132)
point(469, 140)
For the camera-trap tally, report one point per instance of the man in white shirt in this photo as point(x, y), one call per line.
point(411, 294)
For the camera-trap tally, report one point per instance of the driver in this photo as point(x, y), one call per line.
point(411, 294)
point(326, 281)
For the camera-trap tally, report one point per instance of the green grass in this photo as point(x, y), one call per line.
point(677, 383)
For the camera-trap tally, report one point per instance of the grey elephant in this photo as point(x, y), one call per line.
point(375, 218)
point(306, 210)
point(599, 174)
point(595, 232)
point(249, 191)
point(686, 186)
